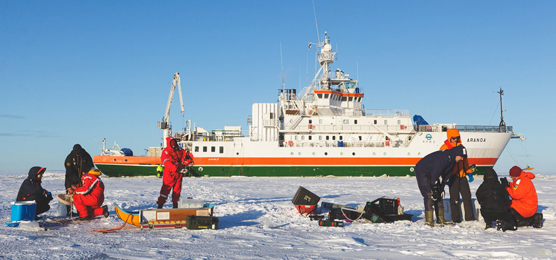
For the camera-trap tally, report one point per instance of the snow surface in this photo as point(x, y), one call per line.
point(258, 221)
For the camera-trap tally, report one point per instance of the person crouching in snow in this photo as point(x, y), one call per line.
point(494, 199)
point(31, 189)
point(432, 172)
point(89, 197)
point(524, 203)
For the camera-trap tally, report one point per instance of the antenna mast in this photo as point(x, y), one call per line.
point(502, 122)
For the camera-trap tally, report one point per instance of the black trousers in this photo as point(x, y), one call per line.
point(490, 216)
point(460, 185)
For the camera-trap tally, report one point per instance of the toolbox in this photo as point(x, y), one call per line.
point(305, 197)
point(201, 222)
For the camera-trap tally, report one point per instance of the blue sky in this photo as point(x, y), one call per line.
point(75, 71)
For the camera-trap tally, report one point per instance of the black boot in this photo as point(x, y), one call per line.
point(105, 211)
point(537, 220)
point(489, 225)
point(160, 206)
point(175, 205)
point(504, 225)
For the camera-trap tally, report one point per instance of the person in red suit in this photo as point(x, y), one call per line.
point(89, 197)
point(175, 161)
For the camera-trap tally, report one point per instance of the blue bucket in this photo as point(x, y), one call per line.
point(23, 210)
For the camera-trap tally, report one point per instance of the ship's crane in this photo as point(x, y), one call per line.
point(165, 123)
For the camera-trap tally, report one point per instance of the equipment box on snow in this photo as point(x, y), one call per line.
point(305, 197)
point(197, 222)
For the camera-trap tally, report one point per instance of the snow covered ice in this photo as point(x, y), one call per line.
point(258, 221)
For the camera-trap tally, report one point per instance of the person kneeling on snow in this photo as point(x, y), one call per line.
point(89, 197)
point(31, 189)
point(494, 199)
point(524, 203)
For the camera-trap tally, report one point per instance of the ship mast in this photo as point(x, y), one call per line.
point(502, 122)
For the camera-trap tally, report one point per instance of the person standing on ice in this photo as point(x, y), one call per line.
point(432, 173)
point(77, 162)
point(494, 199)
point(175, 161)
point(31, 189)
point(524, 203)
point(89, 196)
point(458, 183)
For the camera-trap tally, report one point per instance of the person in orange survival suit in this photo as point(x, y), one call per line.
point(175, 161)
point(524, 202)
point(89, 197)
point(458, 183)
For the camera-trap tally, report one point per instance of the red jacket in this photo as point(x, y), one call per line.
point(524, 195)
point(91, 187)
point(172, 159)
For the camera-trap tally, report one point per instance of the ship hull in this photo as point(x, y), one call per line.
point(268, 159)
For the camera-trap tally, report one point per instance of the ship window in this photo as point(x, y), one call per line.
point(310, 138)
point(319, 95)
point(271, 115)
point(360, 138)
point(310, 121)
point(375, 122)
point(320, 121)
point(320, 137)
point(221, 149)
point(302, 137)
point(346, 121)
point(385, 122)
point(344, 98)
point(213, 149)
point(333, 138)
point(354, 122)
point(196, 149)
point(204, 149)
point(350, 98)
point(341, 137)
point(296, 137)
point(325, 95)
point(399, 122)
point(327, 138)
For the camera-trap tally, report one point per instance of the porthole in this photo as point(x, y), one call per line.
point(314, 153)
point(374, 153)
point(299, 153)
point(353, 153)
point(384, 153)
point(325, 153)
point(342, 153)
point(292, 153)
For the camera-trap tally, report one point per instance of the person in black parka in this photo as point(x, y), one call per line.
point(432, 173)
point(494, 199)
point(31, 189)
point(77, 162)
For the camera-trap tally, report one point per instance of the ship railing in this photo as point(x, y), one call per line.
point(387, 112)
point(485, 128)
point(363, 128)
point(467, 128)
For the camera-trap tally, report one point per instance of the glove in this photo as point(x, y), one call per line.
point(437, 194)
point(49, 196)
point(504, 182)
point(71, 191)
point(470, 176)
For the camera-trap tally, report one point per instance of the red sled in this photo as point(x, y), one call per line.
point(306, 209)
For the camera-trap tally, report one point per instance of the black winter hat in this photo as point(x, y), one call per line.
point(459, 151)
point(490, 174)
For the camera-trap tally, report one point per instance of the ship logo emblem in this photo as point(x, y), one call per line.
point(428, 136)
